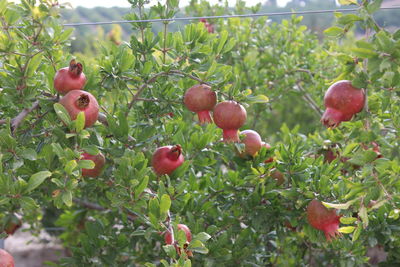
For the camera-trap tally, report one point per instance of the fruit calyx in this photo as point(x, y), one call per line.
point(75, 68)
point(175, 152)
point(323, 219)
point(83, 101)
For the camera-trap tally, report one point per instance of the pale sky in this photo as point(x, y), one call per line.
point(124, 3)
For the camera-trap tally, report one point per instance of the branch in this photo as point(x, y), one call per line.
point(189, 76)
point(95, 206)
point(15, 122)
point(309, 99)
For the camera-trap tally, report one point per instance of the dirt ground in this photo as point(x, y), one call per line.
point(31, 251)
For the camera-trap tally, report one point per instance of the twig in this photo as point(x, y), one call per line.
point(189, 76)
point(309, 99)
point(22, 115)
point(95, 206)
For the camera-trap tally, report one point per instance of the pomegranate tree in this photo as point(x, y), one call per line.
point(166, 159)
point(76, 101)
point(230, 116)
point(342, 102)
point(252, 142)
point(69, 78)
point(200, 99)
point(99, 162)
point(6, 260)
point(323, 219)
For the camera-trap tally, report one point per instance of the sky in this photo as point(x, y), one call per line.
point(124, 3)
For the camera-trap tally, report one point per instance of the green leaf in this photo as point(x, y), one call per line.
point(348, 220)
point(357, 233)
point(36, 180)
point(363, 157)
point(170, 250)
point(70, 166)
point(364, 52)
point(62, 113)
point(198, 246)
point(33, 64)
point(154, 207)
point(257, 99)
point(373, 6)
point(346, 229)
point(67, 198)
point(86, 164)
point(139, 190)
point(29, 154)
point(202, 236)
point(165, 204)
point(350, 18)
point(364, 216)
point(80, 122)
point(64, 35)
point(28, 203)
point(344, 206)
point(222, 40)
point(334, 31)
point(347, 2)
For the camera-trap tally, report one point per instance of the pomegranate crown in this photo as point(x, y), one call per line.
point(175, 152)
point(75, 68)
point(83, 101)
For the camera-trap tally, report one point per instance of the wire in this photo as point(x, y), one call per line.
point(223, 16)
point(305, 12)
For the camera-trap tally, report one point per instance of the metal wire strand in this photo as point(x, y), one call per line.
point(305, 12)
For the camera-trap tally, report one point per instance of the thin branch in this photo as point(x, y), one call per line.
point(22, 115)
point(189, 76)
point(309, 99)
point(95, 206)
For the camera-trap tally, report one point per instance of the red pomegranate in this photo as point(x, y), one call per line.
point(201, 99)
point(166, 159)
point(76, 101)
point(207, 25)
point(323, 219)
point(99, 162)
point(12, 224)
point(342, 102)
point(6, 260)
point(69, 78)
point(267, 146)
point(278, 176)
point(252, 142)
point(230, 116)
point(169, 238)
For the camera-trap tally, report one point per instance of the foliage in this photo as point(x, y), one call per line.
point(237, 213)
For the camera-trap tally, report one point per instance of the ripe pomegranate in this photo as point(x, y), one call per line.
point(166, 159)
point(252, 142)
point(76, 101)
point(267, 146)
point(278, 176)
point(6, 260)
point(169, 238)
point(12, 224)
point(342, 102)
point(69, 78)
point(208, 26)
point(323, 219)
point(201, 99)
point(99, 162)
point(230, 116)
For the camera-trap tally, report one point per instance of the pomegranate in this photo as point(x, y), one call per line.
point(12, 224)
point(278, 176)
point(207, 25)
point(323, 219)
point(76, 101)
point(99, 162)
point(201, 99)
point(169, 238)
point(252, 142)
point(267, 146)
point(69, 78)
point(166, 159)
point(230, 116)
point(6, 260)
point(342, 102)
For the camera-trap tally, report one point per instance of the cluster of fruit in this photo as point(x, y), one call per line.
point(69, 81)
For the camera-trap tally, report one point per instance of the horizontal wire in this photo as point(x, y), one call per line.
point(305, 12)
point(225, 16)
